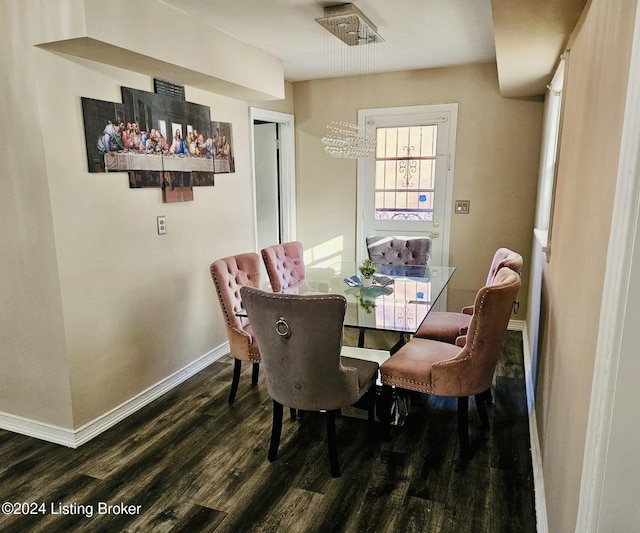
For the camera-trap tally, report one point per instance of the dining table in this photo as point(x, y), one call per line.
point(398, 299)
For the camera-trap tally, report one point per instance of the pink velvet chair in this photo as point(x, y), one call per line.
point(302, 363)
point(229, 275)
point(285, 265)
point(444, 369)
point(447, 326)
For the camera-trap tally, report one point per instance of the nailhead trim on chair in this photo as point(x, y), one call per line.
point(409, 383)
point(390, 380)
point(253, 356)
point(281, 296)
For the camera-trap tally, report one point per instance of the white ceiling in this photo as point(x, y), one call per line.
point(417, 34)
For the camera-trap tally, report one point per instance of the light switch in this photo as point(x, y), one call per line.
point(462, 207)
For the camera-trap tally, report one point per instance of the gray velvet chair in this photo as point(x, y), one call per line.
point(444, 369)
point(447, 326)
point(285, 265)
point(391, 253)
point(229, 274)
point(300, 342)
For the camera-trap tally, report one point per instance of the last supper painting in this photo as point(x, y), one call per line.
point(160, 141)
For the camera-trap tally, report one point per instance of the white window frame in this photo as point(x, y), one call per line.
point(550, 148)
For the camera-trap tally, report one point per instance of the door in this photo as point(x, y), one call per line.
point(405, 187)
point(265, 142)
point(273, 166)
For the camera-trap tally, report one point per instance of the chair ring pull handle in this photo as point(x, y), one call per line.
point(283, 328)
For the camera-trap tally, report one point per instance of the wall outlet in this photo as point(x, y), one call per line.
point(162, 225)
point(462, 207)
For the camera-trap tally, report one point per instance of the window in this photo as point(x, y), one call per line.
point(548, 158)
point(405, 172)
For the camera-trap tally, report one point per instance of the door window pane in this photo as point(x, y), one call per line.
point(405, 172)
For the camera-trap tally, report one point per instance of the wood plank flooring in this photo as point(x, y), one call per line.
point(193, 463)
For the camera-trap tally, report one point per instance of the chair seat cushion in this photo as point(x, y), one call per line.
point(410, 367)
point(367, 372)
point(443, 326)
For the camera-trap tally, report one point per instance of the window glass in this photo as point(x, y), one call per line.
point(405, 172)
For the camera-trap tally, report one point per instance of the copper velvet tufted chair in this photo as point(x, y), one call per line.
point(390, 252)
point(445, 369)
point(300, 341)
point(285, 265)
point(447, 326)
point(229, 274)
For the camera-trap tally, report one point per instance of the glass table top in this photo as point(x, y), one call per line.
point(398, 300)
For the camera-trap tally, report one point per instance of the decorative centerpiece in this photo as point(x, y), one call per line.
point(367, 269)
point(366, 303)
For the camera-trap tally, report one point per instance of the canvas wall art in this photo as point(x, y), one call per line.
point(160, 141)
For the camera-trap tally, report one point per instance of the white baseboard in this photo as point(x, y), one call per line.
point(73, 438)
point(542, 525)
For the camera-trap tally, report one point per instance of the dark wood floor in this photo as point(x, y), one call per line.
point(193, 463)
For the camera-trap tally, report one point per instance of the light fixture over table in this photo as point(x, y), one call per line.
point(350, 25)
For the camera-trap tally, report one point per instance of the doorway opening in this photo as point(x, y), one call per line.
point(273, 169)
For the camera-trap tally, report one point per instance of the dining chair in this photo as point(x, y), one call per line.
point(393, 256)
point(388, 253)
point(300, 342)
point(285, 265)
point(444, 369)
point(229, 275)
point(447, 326)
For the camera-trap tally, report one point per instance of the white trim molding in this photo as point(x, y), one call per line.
point(542, 525)
point(625, 228)
point(74, 438)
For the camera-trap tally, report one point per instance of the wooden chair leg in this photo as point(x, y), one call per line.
point(463, 426)
point(481, 406)
point(255, 372)
point(371, 405)
point(276, 431)
point(384, 411)
point(237, 365)
point(488, 396)
point(333, 443)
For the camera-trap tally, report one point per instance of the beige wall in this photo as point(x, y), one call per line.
point(573, 280)
point(496, 167)
point(34, 376)
point(96, 306)
point(280, 106)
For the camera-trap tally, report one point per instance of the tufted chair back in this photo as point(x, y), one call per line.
point(229, 275)
point(471, 371)
point(399, 250)
point(285, 265)
point(504, 257)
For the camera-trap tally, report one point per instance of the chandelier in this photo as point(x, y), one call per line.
point(345, 139)
point(345, 21)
